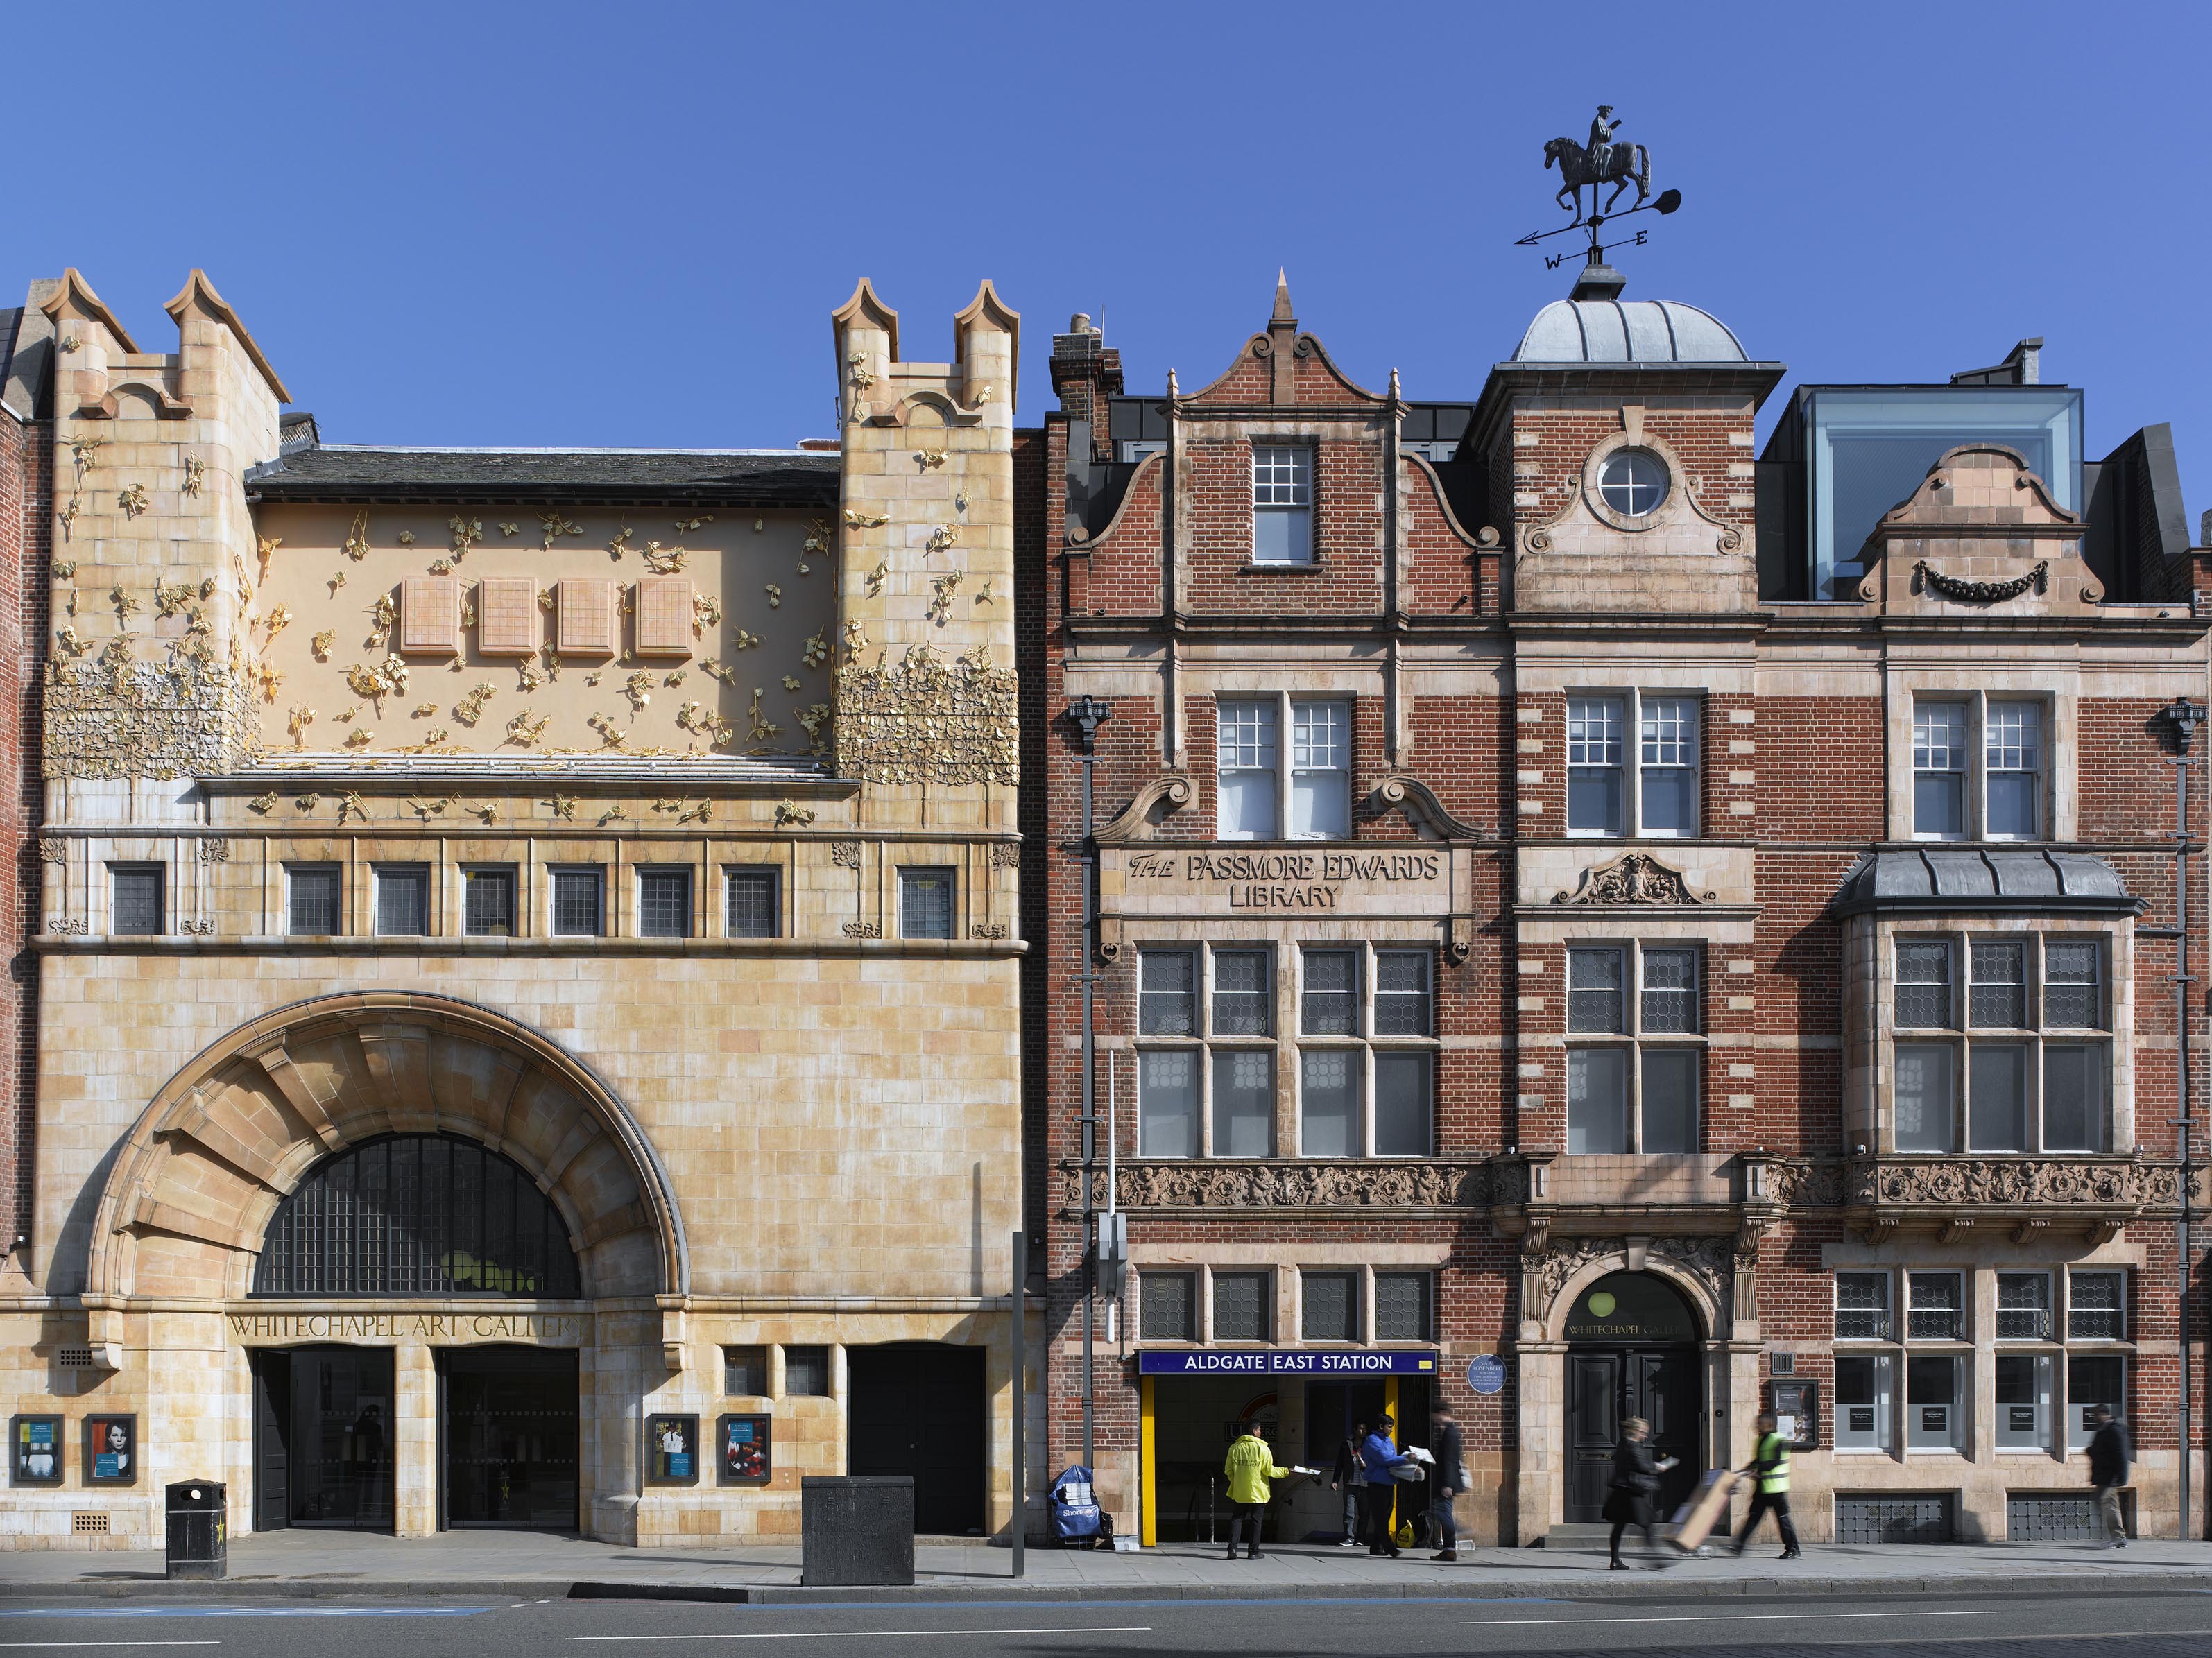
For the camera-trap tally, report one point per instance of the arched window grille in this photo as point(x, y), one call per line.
point(416, 1215)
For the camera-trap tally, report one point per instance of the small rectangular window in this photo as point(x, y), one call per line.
point(1668, 769)
point(578, 904)
point(806, 1372)
point(1670, 1100)
point(2073, 987)
point(1996, 1097)
point(1166, 1304)
point(1242, 1303)
point(1862, 1406)
point(1243, 993)
point(1321, 770)
point(1328, 1306)
point(1939, 770)
point(664, 902)
point(2022, 1399)
point(1401, 1104)
point(1282, 504)
point(752, 902)
point(1670, 992)
point(1595, 999)
point(1936, 1311)
point(2012, 750)
point(2073, 1096)
point(1998, 998)
point(1328, 1103)
point(1244, 1102)
point(2097, 1308)
point(135, 903)
point(1167, 995)
point(1167, 1102)
point(745, 1372)
point(1923, 983)
point(313, 890)
point(1925, 1091)
point(1402, 1006)
point(1597, 1100)
point(1329, 1004)
point(1932, 1408)
point(924, 903)
point(403, 900)
point(1594, 763)
point(1401, 1307)
point(1246, 758)
point(2023, 1307)
point(1862, 1306)
point(487, 904)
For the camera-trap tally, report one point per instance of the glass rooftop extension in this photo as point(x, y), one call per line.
point(1864, 449)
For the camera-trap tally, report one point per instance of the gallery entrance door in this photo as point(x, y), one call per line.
point(322, 1438)
point(506, 1432)
point(1631, 1351)
point(917, 1408)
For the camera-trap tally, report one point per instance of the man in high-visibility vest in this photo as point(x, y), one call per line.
point(1770, 1465)
point(1250, 1467)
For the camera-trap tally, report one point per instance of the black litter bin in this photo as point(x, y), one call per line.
point(199, 1529)
point(856, 1530)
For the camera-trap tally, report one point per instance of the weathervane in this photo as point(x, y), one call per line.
point(1597, 164)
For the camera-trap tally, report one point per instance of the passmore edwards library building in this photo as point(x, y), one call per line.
point(550, 979)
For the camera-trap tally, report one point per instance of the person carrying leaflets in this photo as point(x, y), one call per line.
point(1381, 1458)
point(1250, 1467)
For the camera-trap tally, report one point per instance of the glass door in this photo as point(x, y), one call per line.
point(338, 1451)
point(507, 1420)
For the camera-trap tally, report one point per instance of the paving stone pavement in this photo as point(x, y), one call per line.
point(540, 1564)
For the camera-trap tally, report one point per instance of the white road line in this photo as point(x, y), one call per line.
point(1725, 1617)
point(857, 1634)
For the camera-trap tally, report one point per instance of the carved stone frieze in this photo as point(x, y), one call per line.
point(1808, 1185)
point(1634, 877)
point(927, 720)
point(1286, 1185)
point(845, 854)
point(1939, 1183)
point(1962, 592)
point(1006, 855)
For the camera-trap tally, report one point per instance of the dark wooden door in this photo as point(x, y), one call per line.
point(917, 1408)
point(1593, 1429)
point(272, 1433)
point(1663, 1389)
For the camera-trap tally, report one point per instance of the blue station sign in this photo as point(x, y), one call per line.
point(1292, 1361)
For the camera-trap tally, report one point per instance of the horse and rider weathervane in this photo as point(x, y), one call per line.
point(1595, 165)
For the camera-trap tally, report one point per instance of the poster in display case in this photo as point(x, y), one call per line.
point(111, 1450)
point(744, 1456)
point(35, 1456)
point(671, 1444)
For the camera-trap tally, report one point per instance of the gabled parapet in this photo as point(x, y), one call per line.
point(1980, 534)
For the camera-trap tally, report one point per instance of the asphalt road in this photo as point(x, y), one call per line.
point(2122, 1624)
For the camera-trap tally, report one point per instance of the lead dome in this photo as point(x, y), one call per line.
point(1627, 332)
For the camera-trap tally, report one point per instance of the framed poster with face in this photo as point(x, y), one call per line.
point(111, 1450)
point(35, 1450)
point(671, 1447)
point(743, 1453)
point(1796, 1407)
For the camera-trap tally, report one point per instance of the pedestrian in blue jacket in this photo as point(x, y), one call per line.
point(1381, 1458)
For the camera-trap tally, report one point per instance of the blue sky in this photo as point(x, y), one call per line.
point(627, 225)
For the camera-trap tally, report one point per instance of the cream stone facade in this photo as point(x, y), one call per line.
point(646, 822)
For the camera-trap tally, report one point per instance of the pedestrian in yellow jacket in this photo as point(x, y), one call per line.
point(1250, 1467)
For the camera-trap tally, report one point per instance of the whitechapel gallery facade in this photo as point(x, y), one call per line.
point(525, 1020)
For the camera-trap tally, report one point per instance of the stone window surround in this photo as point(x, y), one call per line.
point(1632, 699)
point(1311, 451)
point(1980, 1347)
point(1285, 1261)
point(1286, 942)
point(1286, 703)
point(1632, 1036)
point(196, 885)
point(838, 1374)
point(1633, 435)
point(1870, 1029)
point(1976, 704)
point(2059, 807)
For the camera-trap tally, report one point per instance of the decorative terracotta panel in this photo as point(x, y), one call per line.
point(664, 615)
point(507, 615)
point(586, 609)
point(430, 615)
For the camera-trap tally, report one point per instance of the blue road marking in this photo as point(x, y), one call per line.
point(245, 1612)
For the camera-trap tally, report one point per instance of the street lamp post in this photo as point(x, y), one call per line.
point(2184, 717)
point(1086, 714)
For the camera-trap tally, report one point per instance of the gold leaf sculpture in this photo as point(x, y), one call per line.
point(307, 802)
point(609, 736)
point(360, 739)
point(705, 614)
point(859, 520)
point(301, 717)
point(528, 678)
point(426, 809)
point(131, 500)
point(942, 539)
point(509, 529)
point(698, 814)
point(423, 711)
point(558, 523)
point(876, 579)
point(612, 815)
point(277, 619)
point(786, 812)
point(552, 665)
point(268, 679)
point(669, 563)
point(167, 601)
point(524, 729)
point(775, 596)
point(763, 728)
point(667, 805)
point(467, 532)
point(263, 805)
point(983, 597)
point(717, 669)
point(692, 526)
point(383, 615)
point(674, 677)
point(791, 682)
point(407, 537)
point(64, 569)
point(489, 812)
point(126, 604)
point(639, 689)
point(617, 545)
point(470, 708)
point(563, 805)
point(924, 459)
point(68, 516)
point(357, 541)
point(819, 538)
point(816, 650)
point(264, 548)
point(323, 641)
point(940, 606)
point(337, 581)
point(745, 641)
point(349, 806)
point(195, 475)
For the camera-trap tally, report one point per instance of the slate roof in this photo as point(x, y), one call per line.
point(365, 473)
point(1952, 878)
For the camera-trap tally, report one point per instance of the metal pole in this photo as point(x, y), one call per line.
point(1021, 1396)
point(2186, 717)
point(1088, 714)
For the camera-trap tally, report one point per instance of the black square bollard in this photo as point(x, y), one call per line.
point(199, 1529)
point(856, 1530)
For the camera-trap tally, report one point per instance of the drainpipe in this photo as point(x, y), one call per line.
point(1088, 713)
point(2185, 716)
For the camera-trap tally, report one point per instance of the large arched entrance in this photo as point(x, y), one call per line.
point(1631, 1351)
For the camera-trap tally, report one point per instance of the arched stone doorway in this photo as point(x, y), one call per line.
point(1632, 1350)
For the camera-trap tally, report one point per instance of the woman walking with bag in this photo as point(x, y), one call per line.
point(1629, 1502)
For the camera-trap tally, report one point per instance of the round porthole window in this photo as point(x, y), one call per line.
point(1633, 482)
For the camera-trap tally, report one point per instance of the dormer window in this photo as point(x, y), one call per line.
point(1282, 504)
point(1633, 482)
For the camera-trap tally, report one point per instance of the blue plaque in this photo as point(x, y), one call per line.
point(1485, 1374)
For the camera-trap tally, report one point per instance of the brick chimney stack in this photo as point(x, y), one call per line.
point(1085, 373)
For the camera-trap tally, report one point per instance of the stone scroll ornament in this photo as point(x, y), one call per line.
point(1960, 590)
point(1632, 879)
